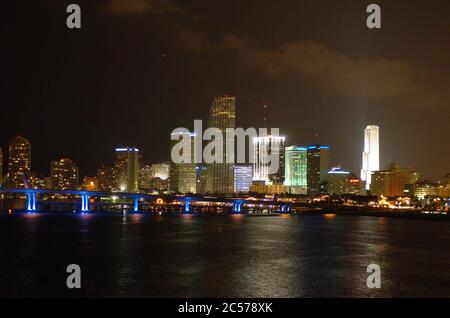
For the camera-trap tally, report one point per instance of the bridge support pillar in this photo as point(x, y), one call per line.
point(136, 204)
point(84, 203)
point(187, 206)
point(237, 207)
point(31, 201)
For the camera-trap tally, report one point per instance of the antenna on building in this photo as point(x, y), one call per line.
point(265, 116)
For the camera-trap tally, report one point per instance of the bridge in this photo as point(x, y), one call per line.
point(86, 201)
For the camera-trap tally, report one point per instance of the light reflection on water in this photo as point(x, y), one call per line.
point(222, 256)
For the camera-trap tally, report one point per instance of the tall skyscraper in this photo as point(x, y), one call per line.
point(222, 115)
point(126, 170)
point(318, 166)
point(243, 176)
point(19, 162)
point(183, 175)
point(1, 167)
point(296, 169)
point(268, 146)
point(64, 175)
point(371, 154)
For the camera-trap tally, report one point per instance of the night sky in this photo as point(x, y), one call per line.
point(140, 68)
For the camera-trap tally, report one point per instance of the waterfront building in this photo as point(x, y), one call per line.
point(426, 188)
point(338, 181)
point(183, 176)
point(64, 175)
point(296, 169)
point(145, 178)
point(355, 185)
point(318, 165)
point(395, 181)
point(105, 179)
point(263, 188)
point(371, 154)
point(126, 170)
point(243, 175)
point(19, 163)
point(262, 147)
point(222, 115)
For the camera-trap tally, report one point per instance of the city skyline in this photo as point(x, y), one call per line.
point(178, 70)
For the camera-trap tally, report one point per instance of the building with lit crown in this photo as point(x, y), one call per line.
point(371, 154)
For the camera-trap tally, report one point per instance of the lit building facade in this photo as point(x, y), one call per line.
point(371, 154)
point(263, 147)
point(395, 181)
point(126, 170)
point(19, 163)
point(161, 170)
point(105, 179)
point(145, 178)
point(426, 189)
point(183, 176)
point(222, 115)
point(296, 169)
point(338, 181)
point(64, 175)
point(243, 175)
point(318, 165)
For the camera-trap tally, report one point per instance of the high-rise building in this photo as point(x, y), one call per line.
point(243, 176)
point(183, 175)
point(145, 178)
point(393, 182)
point(265, 170)
point(161, 170)
point(19, 163)
point(296, 169)
point(126, 170)
point(318, 165)
point(338, 181)
point(64, 175)
point(222, 115)
point(1, 167)
point(371, 154)
point(105, 179)
point(202, 178)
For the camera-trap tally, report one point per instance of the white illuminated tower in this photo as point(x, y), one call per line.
point(371, 154)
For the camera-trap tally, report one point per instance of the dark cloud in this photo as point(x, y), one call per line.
point(140, 7)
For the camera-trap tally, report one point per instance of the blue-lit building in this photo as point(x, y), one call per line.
point(319, 158)
point(243, 175)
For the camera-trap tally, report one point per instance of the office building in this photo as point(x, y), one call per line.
point(64, 175)
point(268, 161)
point(126, 170)
point(243, 175)
point(183, 176)
point(296, 169)
point(160, 170)
point(105, 179)
point(371, 154)
point(395, 181)
point(338, 181)
point(222, 115)
point(19, 163)
point(145, 178)
point(318, 165)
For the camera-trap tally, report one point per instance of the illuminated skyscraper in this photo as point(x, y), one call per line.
point(272, 146)
point(296, 169)
point(64, 175)
point(222, 115)
point(243, 175)
point(338, 181)
point(19, 163)
point(371, 154)
point(318, 167)
point(161, 170)
point(126, 170)
point(183, 175)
